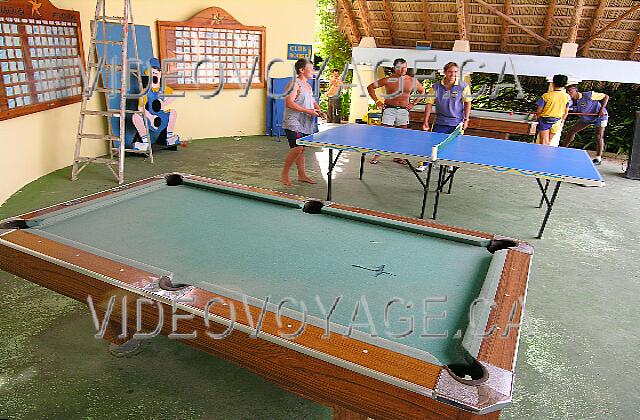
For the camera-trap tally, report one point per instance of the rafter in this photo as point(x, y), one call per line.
point(548, 21)
point(351, 19)
point(467, 15)
point(575, 21)
point(427, 20)
point(386, 6)
point(505, 26)
point(634, 48)
point(609, 25)
point(602, 5)
point(462, 19)
point(364, 16)
point(515, 23)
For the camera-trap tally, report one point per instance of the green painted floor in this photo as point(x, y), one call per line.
point(578, 360)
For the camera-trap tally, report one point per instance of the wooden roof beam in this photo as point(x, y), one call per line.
point(427, 20)
point(634, 48)
point(467, 15)
point(505, 26)
point(351, 19)
point(366, 19)
point(609, 25)
point(386, 6)
point(602, 5)
point(462, 19)
point(515, 23)
point(575, 21)
point(548, 21)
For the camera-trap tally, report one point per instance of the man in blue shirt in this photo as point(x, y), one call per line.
point(452, 98)
point(591, 107)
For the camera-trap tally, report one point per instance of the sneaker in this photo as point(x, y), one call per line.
point(173, 140)
point(139, 146)
point(597, 160)
point(421, 168)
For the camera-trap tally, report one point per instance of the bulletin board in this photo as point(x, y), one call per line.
point(215, 37)
point(41, 57)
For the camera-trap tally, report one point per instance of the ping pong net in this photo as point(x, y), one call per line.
point(444, 143)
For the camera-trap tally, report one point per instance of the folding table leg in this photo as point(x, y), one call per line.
point(425, 184)
point(332, 165)
point(445, 176)
point(544, 190)
point(549, 202)
point(426, 190)
point(441, 178)
point(451, 182)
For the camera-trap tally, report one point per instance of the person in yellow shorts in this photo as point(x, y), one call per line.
point(553, 108)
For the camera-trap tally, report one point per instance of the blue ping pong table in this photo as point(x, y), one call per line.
point(451, 152)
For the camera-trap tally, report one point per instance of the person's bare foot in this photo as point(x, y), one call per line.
point(306, 179)
point(286, 181)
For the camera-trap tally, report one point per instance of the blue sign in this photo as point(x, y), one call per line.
point(296, 51)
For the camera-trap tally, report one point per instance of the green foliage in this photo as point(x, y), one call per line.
point(624, 101)
point(332, 45)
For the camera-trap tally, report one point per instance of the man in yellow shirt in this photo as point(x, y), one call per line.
point(553, 108)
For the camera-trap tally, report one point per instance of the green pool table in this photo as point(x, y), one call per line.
point(370, 313)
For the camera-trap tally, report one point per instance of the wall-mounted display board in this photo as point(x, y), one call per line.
point(41, 57)
point(213, 38)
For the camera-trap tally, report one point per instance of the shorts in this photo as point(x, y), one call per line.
point(292, 136)
point(597, 122)
point(547, 123)
point(445, 129)
point(395, 116)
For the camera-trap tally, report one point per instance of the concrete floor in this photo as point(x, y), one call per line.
point(579, 359)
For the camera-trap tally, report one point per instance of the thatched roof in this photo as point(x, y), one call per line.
point(608, 29)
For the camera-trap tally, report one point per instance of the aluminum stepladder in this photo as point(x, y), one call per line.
point(95, 72)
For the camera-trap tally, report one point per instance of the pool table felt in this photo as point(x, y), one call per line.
point(215, 241)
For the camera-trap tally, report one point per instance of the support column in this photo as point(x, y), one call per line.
point(359, 105)
point(633, 170)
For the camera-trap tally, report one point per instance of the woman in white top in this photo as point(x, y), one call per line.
point(301, 110)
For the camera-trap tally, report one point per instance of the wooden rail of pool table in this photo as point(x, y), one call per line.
point(483, 126)
point(352, 394)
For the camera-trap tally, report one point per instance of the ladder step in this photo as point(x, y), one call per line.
point(100, 41)
point(106, 66)
point(98, 137)
point(110, 113)
point(142, 152)
point(112, 19)
point(102, 113)
point(107, 90)
point(128, 111)
point(106, 161)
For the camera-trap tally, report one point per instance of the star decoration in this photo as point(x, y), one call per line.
point(216, 19)
point(35, 7)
